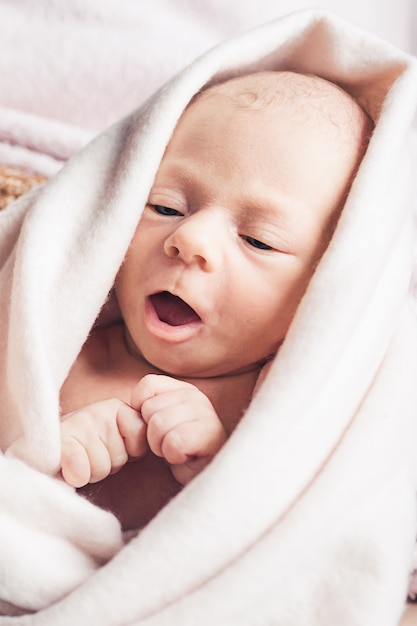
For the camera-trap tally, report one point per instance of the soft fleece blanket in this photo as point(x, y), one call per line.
point(307, 516)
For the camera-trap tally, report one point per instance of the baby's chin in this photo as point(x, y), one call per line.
point(192, 368)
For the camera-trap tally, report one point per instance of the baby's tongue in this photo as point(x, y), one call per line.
point(172, 310)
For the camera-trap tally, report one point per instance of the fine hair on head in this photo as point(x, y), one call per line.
point(302, 94)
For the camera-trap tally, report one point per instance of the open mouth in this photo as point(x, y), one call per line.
point(173, 310)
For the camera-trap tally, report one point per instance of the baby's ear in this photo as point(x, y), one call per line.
point(263, 374)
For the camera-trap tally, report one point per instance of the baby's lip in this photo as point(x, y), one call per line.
point(172, 309)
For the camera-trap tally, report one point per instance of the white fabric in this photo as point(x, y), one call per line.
point(307, 516)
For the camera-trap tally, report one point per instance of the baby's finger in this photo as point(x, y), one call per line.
point(192, 439)
point(165, 420)
point(153, 385)
point(75, 464)
point(103, 461)
point(167, 400)
point(133, 430)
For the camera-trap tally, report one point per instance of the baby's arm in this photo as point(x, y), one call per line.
point(98, 440)
point(183, 426)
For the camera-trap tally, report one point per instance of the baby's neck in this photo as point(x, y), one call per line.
point(230, 392)
point(138, 356)
point(106, 368)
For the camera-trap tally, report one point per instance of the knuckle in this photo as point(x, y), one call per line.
point(148, 383)
point(119, 460)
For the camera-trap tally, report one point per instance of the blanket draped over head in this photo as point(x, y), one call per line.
point(307, 515)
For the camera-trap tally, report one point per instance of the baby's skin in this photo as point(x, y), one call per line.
point(172, 418)
point(103, 389)
point(241, 210)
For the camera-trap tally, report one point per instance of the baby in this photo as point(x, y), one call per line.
point(242, 207)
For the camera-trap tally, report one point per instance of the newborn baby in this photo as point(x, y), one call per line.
point(242, 207)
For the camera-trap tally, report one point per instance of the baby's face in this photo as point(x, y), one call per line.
point(237, 218)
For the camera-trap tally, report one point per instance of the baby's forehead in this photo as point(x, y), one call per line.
point(305, 96)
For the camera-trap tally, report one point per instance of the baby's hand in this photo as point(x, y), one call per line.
point(98, 440)
point(183, 426)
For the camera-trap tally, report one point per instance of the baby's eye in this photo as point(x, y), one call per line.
point(255, 243)
point(165, 210)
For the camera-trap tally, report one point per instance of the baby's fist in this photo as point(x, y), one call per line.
point(183, 426)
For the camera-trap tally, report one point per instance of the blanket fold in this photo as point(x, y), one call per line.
point(307, 515)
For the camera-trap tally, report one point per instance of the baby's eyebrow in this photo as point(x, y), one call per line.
point(277, 216)
point(176, 172)
point(256, 205)
point(275, 212)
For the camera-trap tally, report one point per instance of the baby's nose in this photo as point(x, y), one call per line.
point(196, 239)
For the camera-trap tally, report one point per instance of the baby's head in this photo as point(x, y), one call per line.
point(242, 208)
